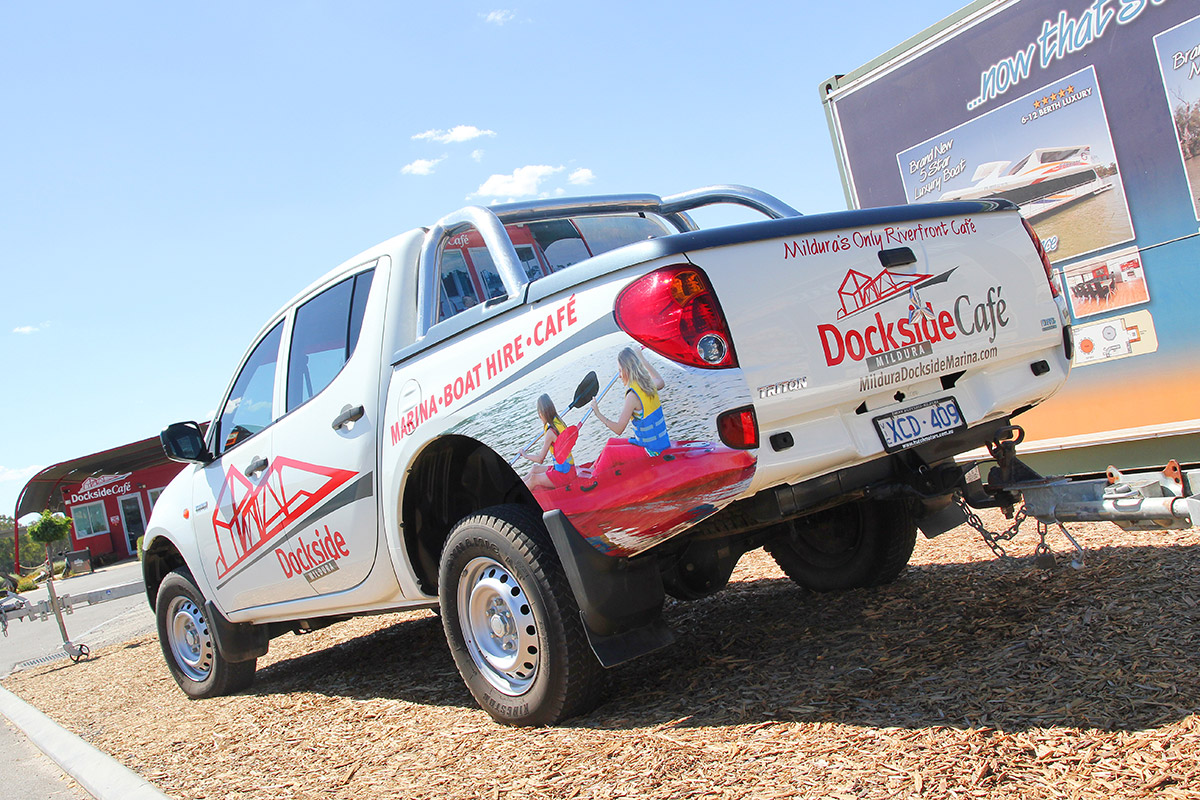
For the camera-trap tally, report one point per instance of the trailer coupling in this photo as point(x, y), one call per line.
point(1143, 501)
point(1156, 501)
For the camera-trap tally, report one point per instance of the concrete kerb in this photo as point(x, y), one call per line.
point(97, 772)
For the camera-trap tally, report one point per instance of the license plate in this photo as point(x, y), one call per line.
point(913, 426)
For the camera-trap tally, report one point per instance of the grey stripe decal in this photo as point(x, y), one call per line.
point(363, 487)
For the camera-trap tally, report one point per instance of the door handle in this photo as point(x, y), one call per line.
point(257, 465)
point(349, 414)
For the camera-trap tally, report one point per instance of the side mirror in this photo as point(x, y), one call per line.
point(183, 441)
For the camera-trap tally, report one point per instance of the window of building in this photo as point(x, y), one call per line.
point(248, 409)
point(89, 519)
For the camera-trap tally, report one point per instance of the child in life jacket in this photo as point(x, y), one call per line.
point(642, 404)
point(549, 476)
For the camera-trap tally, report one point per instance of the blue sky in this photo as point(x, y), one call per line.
point(173, 172)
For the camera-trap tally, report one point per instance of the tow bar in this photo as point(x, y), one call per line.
point(1142, 502)
point(1145, 501)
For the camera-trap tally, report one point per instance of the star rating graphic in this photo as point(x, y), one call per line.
point(1048, 99)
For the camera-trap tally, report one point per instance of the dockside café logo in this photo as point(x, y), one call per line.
point(885, 343)
point(101, 486)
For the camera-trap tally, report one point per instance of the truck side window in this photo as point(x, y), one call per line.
point(486, 267)
point(560, 241)
point(457, 289)
point(323, 337)
point(610, 232)
point(248, 409)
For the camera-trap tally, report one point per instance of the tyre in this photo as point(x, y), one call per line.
point(703, 569)
point(511, 621)
point(185, 633)
point(866, 543)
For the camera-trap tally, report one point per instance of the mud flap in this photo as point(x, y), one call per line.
point(620, 599)
point(949, 517)
point(236, 641)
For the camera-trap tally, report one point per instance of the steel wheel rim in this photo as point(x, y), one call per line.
point(498, 626)
point(190, 640)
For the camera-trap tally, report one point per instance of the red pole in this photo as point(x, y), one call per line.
point(16, 543)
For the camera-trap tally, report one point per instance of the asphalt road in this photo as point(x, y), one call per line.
point(96, 626)
point(27, 772)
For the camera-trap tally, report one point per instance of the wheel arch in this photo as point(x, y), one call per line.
point(159, 560)
point(451, 478)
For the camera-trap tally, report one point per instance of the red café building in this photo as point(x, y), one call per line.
point(107, 495)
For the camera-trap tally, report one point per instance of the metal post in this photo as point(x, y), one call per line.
point(75, 651)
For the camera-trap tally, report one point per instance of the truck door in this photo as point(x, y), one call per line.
point(287, 510)
point(325, 444)
point(230, 494)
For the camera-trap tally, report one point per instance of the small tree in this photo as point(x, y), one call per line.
point(49, 529)
point(31, 551)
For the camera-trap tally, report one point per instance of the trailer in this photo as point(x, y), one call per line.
point(1086, 114)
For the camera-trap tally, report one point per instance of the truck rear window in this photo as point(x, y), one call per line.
point(468, 273)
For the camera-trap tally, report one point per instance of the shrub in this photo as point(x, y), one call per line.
point(49, 529)
point(26, 583)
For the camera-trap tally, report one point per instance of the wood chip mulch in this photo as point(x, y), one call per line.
point(969, 677)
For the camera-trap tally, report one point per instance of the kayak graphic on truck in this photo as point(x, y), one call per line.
point(631, 461)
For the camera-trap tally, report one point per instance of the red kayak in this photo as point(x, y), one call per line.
point(626, 501)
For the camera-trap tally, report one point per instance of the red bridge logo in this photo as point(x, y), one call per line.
point(248, 515)
point(858, 292)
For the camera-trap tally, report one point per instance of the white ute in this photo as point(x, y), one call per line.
point(541, 418)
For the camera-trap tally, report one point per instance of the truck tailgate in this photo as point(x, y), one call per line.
point(849, 317)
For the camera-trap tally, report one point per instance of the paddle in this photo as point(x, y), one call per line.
point(583, 395)
point(564, 443)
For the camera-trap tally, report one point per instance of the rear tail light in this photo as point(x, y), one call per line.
point(1041, 251)
point(675, 313)
point(739, 428)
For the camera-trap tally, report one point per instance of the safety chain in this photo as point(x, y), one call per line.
point(993, 540)
point(4, 622)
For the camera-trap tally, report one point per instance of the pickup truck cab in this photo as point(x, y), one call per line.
point(541, 418)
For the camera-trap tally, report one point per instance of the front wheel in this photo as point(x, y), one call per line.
point(511, 621)
point(185, 634)
point(854, 545)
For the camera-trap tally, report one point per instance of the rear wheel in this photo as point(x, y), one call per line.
point(185, 634)
point(866, 543)
point(512, 622)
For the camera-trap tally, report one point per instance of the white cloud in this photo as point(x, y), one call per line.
point(523, 182)
point(422, 166)
point(459, 133)
point(499, 16)
point(26, 330)
point(477, 156)
point(22, 474)
point(581, 177)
